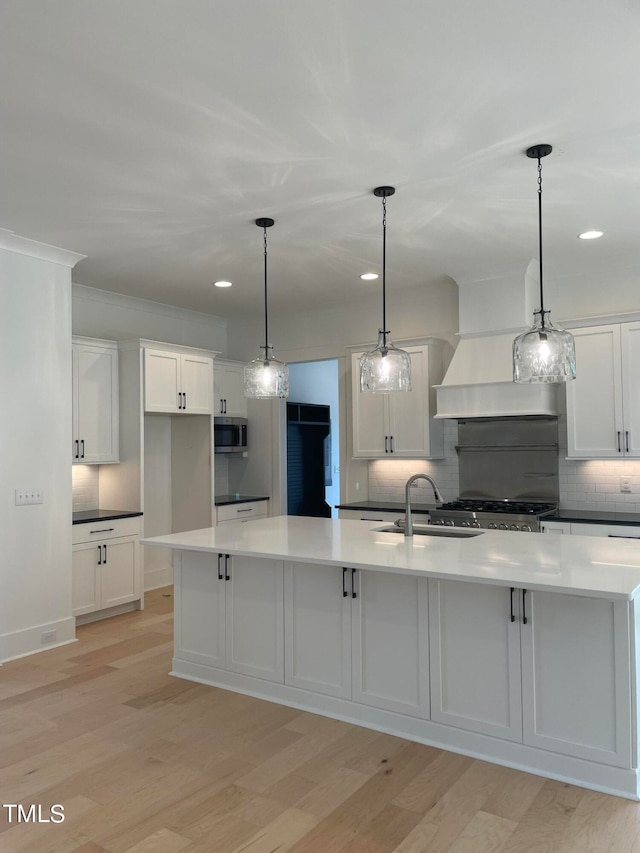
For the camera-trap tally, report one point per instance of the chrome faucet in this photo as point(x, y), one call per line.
point(408, 522)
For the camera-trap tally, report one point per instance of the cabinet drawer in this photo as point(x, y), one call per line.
point(99, 530)
point(242, 512)
point(612, 531)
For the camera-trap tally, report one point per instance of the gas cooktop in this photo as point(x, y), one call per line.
point(518, 507)
point(493, 515)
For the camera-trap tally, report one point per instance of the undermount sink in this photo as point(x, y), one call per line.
point(447, 532)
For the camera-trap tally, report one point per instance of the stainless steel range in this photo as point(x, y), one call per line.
point(508, 474)
point(521, 516)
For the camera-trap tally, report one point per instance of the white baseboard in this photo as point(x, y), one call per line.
point(156, 578)
point(28, 641)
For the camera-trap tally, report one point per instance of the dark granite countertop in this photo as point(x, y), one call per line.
point(90, 515)
point(587, 516)
point(386, 506)
point(224, 500)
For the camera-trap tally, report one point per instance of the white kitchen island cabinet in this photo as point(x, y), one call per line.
point(229, 613)
point(516, 648)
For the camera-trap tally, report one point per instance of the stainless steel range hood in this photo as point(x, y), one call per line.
point(479, 380)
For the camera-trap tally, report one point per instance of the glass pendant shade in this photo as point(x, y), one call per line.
point(265, 376)
point(385, 368)
point(544, 353)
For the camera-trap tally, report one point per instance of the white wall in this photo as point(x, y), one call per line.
point(35, 442)
point(115, 317)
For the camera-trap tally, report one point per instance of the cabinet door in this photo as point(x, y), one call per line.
point(231, 386)
point(120, 579)
point(630, 333)
point(408, 412)
point(317, 615)
point(95, 404)
point(575, 677)
point(85, 596)
point(556, 527)
point(161, 381)
point(369, 417)
point(199, 631)
point(594, 397)
point(255, 618)
point(390, 646)
point(197, 384)
point(475, 658)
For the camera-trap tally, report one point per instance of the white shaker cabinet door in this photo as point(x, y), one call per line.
point(162, 381)
point(85, 578)
point(631, 388)
point(199, 633)
point(409, 411)
point(120, 576)
point(475, 658)
point(575, 682)
point(390, 645)
point(370, 417)
point(197, 384)
point(594, 398)
point(317, 613)
point(255, 617)
point(95, 404)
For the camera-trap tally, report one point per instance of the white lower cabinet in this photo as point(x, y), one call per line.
point(358, 635)
point(230, 613)
point(576, 693)
point(317, 612)
point(544, 682)
point(106, 566)
point(475, 658)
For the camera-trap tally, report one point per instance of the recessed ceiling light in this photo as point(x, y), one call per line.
point(369, 276)
point(222, 284)
point(590, 235)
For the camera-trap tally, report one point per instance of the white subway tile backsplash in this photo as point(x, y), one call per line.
point(85, 482)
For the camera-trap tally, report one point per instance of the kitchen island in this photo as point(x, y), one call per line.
point(515, 648)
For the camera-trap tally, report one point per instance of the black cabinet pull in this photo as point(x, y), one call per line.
point(224, 410)
point(391, 443)
point(226, 567)
point(184, 400)
point(220, 567)
point(354, 594)
point(82, 453)
point(513, 618)
point(386, 444)
point(626, 437)
point(103, 530)
point(619, 448)
point(221, 406)
point(99, 555)
point(105, 555)
point(344, 582)
point(77, 449)
point(524, 607)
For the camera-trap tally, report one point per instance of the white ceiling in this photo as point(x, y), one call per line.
point(149, 135)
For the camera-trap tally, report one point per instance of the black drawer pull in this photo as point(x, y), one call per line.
point(620, 536)
point(103, 530)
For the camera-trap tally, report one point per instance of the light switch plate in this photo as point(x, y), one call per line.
point(25, 497)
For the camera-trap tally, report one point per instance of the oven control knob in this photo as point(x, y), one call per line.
point(502, 527)
point(438, 521)
point(526, 528)
point(449, 523)
point(475, 523)
point(493, 525)
point(514, 527)
point(465, 524)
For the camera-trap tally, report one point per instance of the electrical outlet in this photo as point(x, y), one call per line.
point(625, 484)
point(48, 637)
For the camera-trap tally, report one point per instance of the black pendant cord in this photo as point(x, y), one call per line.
point(266, 314)
point(542, 323)
point(384, 271)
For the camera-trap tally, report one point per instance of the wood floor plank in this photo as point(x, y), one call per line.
point(143, 761)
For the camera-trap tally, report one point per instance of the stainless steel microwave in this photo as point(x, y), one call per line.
point(229, 435)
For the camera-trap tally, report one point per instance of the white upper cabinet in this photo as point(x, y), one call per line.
point(603, 402)
point(228, 394)
point(178, 382)
point(399, 424)
point(95, 401)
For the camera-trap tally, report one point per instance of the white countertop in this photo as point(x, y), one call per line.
point(583, 565)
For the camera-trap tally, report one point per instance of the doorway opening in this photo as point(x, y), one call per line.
point(313, 439)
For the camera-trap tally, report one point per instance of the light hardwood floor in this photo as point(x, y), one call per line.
point(146, 763)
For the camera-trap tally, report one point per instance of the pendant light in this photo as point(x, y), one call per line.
point(385, 368)
point(265, 376)
point(545, 353)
